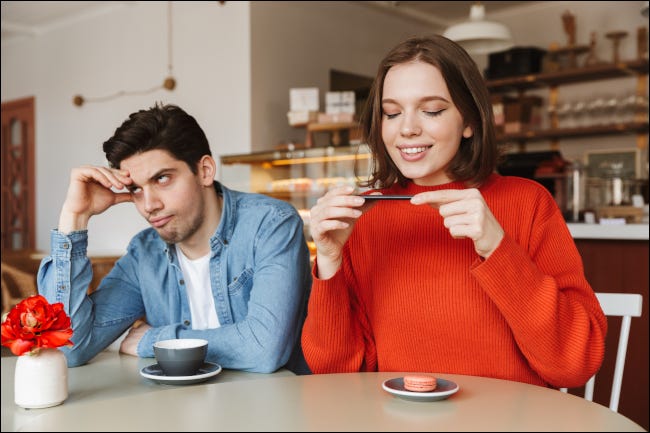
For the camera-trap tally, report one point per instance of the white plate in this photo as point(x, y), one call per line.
point(155, 373)
point(444, 388)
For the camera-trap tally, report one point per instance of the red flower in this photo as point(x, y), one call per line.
point(34, 324)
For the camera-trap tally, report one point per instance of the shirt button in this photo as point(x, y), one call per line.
point(66, 246)
point(181, 282)
point(186, 323)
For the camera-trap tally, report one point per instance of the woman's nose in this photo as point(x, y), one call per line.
point(410, 126)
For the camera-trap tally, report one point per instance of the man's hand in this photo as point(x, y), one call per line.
point(130, 343)
point(90, 193)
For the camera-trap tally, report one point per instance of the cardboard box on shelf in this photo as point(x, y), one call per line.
point(514, 62)
point(499, 103)
point(340, 102)
point(522, 114)
point(302, 118)
point(335, 117)
point(304, 99)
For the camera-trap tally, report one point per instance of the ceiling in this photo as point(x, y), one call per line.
point(33, 18)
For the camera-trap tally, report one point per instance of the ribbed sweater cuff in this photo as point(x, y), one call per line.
point(510, 277)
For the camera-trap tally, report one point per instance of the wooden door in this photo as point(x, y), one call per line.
point(18, 176)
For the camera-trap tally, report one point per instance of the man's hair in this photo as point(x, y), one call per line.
point(163, 127)
point(478, 155)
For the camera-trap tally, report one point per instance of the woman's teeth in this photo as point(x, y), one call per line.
point(414, 150)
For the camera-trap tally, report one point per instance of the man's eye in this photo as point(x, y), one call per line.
point(135, 190)
point(163, 178)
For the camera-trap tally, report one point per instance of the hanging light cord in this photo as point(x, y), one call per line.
point(169, 38)
point(169, 83)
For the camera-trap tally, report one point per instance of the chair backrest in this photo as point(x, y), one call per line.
point(16, 286)
point(625, 305)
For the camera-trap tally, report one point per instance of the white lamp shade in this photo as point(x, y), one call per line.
point(478, 36)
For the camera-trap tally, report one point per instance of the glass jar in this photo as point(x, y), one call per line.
point(575, 191)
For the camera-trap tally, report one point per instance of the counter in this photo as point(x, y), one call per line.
point(600, 231)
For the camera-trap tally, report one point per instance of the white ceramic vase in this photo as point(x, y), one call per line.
point(41, 380)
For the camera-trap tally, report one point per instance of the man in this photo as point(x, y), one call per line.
point(226, 266)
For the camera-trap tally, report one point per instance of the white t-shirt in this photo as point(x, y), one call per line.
point(197, 284)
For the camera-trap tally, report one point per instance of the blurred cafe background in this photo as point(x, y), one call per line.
point(278, 88)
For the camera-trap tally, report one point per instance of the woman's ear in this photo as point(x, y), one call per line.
point(468, 132)
point(207, 170)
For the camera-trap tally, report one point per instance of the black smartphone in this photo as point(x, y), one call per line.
point(387, 197)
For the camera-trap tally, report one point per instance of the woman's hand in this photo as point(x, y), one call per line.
point(90, 193)
point(466, 215)
point(331, 222)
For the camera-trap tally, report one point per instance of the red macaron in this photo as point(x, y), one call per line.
point(419, 383)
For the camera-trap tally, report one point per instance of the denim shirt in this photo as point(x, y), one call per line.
point(260, 279)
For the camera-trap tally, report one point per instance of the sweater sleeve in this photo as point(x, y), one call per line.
point(336, 336)
point(552, 310)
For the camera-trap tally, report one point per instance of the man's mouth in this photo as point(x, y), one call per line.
point(160, 221)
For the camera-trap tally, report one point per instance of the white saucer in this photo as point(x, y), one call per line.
point(155, 373)
point(444, 388)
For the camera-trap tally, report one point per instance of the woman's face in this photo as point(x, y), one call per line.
point(421, 127)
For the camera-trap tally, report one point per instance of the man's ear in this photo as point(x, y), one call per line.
point(207, 170)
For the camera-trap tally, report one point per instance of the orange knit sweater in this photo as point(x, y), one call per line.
point(409, 297)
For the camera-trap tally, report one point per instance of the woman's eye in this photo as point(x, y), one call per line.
point(433, 113)
point(391, 116)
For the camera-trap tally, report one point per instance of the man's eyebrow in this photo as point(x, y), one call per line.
point(154, 176)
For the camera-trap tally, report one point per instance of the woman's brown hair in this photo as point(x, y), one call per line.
point(477, 155)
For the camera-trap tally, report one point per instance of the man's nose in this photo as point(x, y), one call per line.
point(152, 202)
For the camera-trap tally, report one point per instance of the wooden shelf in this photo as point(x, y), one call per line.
point(318, 127)
point(589, 131)
point(571, 76)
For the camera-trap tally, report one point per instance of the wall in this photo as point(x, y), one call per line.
point(126, 49)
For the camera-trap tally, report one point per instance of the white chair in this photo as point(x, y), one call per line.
point(626, 305)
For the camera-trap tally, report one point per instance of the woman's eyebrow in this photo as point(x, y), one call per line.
point(423, 99)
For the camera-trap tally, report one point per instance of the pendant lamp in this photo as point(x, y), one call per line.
point(478, 36)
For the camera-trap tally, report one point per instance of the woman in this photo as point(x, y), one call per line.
point(476, 274)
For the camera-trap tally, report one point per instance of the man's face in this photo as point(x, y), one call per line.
point(167, 194)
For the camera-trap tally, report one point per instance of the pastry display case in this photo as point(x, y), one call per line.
point(298, 176)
